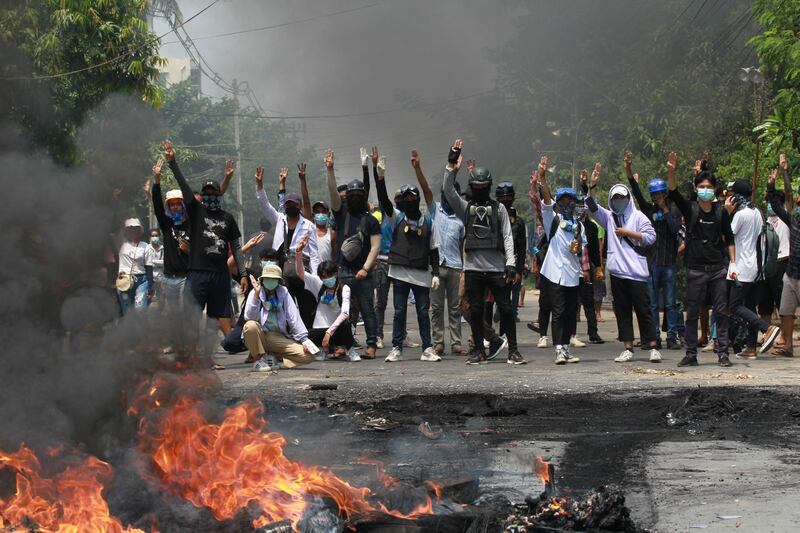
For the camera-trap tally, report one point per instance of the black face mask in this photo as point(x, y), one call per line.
point(480, 195)
point(293, 212)
point(410, 208)
point(356, 205)
point(508, 204)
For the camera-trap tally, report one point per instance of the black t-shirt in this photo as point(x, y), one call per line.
point(176, 263)
point(706, 242)
point(210, 233)
point(371, 227)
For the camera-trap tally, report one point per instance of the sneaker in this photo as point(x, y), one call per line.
point(673, 344)
point(352, 355)
point(533, 326)
point(688, 360)
point(542, 342)
point(369, 353)
point(360, 322)
point(515, 358)
point(267, 363)
point(747, 353)
point(561, 358)
point(410, 344)
point(396, 354)
point(568, 355)
point(379, 343)
point(496, 346)
point(624, 357)
point(321, 356)
point(476, 357)
point(655, 356)
point(769, 338)
point(724, 361)
point(576, 342)
point(430, 355)
point(708, 347)
point(595, 339)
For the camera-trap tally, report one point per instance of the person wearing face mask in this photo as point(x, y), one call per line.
point(413, 263)
point(663, 256)
point(273, 331)
point(212, 232)
point(157, 251)
point(709, 241)
point(135, 275)
point(359, 239)
point(628, 233)
point(586, 286)
point(489, 259)
point(448, 236)
point(331, 329)
point(564, 263)
point(290, 228)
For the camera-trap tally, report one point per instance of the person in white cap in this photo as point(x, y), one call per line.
point(273, 330)
point(135, 275)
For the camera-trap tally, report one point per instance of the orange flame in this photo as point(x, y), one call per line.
point(231, 465)
point(69, 502)
point(541, 469)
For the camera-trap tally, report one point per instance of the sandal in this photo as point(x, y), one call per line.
point(217, 366)
point(783, 352)
point(250, 360)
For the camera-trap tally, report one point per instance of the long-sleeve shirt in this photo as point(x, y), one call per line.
point(289, 323)
point(793, 267)
point(667, 225)
point(279, 222)
point(560, 265)
point(481, 260)
point(448, 234)
point(176, 263)
point(701, 253)
point(622, 260)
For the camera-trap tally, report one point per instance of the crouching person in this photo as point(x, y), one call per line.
point(273, 330)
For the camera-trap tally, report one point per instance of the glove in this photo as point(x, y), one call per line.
point(510, 272)
point(434, 283)
point(364, 157)
point(381, 166)
point(453, 156)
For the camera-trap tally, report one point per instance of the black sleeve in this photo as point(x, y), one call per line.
point(188, 194)
point(644, 205)
point(584, 188)
point(236, 247)
point(684, 205)
point(591, 203)
point(777, 205)
point(727, 232)
point(158, 207)
point(593, 242)
point(434, 256)
point(365, 171)
point(520, 249)
point(148, 272)
point(383, 197)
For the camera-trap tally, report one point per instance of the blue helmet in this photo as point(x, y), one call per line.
point(657, 185)
point(565, 191)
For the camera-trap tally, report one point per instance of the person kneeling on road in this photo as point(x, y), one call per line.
point(270, 314)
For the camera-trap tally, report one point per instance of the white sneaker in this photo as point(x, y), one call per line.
point(379, 343)
point(576, 342)
point(542, 342)
point(430, 355)
point(624, 357)
point(569, 357)
point(561, 358)
point(352, 355)
point(655, 356)
point(485, 344)
point(266, 364)
point(396, 354)
point(410, 344)
point(321, 356)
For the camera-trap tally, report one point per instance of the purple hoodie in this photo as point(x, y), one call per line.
point(623, 261)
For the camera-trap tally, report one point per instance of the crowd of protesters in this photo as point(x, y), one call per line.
point(330, 264)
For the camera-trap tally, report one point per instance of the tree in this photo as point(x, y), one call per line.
point(61, 58)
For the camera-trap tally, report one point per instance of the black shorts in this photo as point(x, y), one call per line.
point(770, 290)
point(212, 292)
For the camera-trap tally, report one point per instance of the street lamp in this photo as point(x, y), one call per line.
point(754, 76)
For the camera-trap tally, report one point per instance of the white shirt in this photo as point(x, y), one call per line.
point(324, 246)
point(783, 236)
point(139, 255)
point(304, 227)
point(560, 265)
point(327, 313)
point(746, 227)
point(158, 261)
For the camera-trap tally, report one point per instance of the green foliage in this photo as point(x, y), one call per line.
point(50, 37)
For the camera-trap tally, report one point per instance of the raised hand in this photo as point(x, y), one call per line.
point(773, 176)
point(374, 156)
point(255, 284)
point(596, 174)
point(470, 165)
point(784, 163)
point(534, 179)
point(455, 153)
point(584, 177)
point(282, 174)
point(381, 166)
point(627, 161)
point(543, 166)
point(169, 151)
point(301, 245)
point(301, 171)
point(636, 177)
point(229, 166)
point(672, 162)
point(254, 241)
point(260, 176)
point(364, 157)
point(157, 170)
point(415, 159)
point(329, 158)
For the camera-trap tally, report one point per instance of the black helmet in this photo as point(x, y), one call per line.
point(408, 189)
point(480, 175)
point(355, 186)
point(504, 188)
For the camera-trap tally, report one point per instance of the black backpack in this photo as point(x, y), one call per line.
point(769, 242)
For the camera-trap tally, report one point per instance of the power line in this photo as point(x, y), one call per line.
point(113, 59)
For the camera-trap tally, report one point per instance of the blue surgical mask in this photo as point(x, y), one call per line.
point(270, 284)
point(705, 194)
point(619, 205)
point(769, 209)
point(329, 282)
point(321, 219)
point(268, 263)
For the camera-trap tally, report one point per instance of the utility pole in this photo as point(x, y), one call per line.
point(238, 170)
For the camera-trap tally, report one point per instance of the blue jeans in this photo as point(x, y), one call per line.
point(422, 300)
point(362, 291)
point(666, 278)
point(136, 296)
